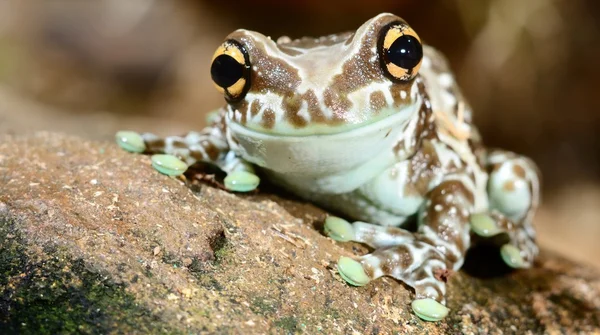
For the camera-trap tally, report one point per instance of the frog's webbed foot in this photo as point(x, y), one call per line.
point(173, 155)
point(513, 188)
point(398, 254)
point(416, 263)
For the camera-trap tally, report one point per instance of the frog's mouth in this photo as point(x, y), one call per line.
point(321, 154)
point(280, 126)
point(302, 116)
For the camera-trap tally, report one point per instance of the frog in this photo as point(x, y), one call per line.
point(372, 125)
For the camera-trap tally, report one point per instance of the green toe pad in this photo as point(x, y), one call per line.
point(484, 225)
point(241, 181)
point(352, 271)
point(130, 141)
point(168, 164)
point(338, 229)
point(511, 256)
point(429, 309)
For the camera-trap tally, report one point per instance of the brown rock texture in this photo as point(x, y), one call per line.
point(93, 240)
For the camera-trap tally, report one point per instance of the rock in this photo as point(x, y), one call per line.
point(93, 240)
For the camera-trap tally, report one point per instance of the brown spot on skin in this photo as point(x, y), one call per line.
point(197, 155)
point(432, 254)
point(268, 119)
point(155, 145)
point(211, 150)
point(396, 91)
point(509, 186)
point(338, 103)
point(387, 266)
point(179, 144)
point(314, 109)
point(519, 171)
point(377, 101)
point(406, 258)
point(368, 269)
point(293, 103)
point(420, 274)
point(242, 107)
point(255, 108)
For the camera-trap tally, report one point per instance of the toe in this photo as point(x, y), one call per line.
point(130, 141)
point(429, 309)
point(352, 271)
point(512, 256)
point(484, 225)
point(338, 229)
point(168, 165)
point(241, 181)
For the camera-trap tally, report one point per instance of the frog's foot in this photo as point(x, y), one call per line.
point(241, 181)
point(130, 141)
point(375, 236)
point(168, 165)
point(415, 263)
point(521, 249)
point(174, 154)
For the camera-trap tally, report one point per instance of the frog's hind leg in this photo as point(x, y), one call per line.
point(513, 189)
point(417, 264)
point(172, 155)
point(424, 259)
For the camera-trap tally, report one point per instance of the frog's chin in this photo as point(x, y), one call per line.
point(350, 156)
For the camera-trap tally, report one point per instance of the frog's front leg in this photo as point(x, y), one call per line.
point(423, 259)
point(173, 155)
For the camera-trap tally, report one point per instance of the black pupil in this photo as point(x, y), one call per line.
point(226, 71)
point(406, 52)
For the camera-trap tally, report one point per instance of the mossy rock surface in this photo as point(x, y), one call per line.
point(93, 240)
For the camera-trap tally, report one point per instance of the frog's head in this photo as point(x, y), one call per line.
point(320, 86)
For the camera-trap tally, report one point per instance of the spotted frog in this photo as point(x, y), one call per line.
point(370, 124)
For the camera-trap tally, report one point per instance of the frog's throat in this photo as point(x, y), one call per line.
point(367, 150)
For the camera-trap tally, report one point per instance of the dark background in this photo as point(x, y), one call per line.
point(529, 68)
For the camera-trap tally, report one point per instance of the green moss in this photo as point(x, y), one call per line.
point(223, 251)
point(262, 306)
point(53, 293)
point(288, 324)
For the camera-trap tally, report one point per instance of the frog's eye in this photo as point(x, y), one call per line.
point(401, 51)
point(230, 70)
